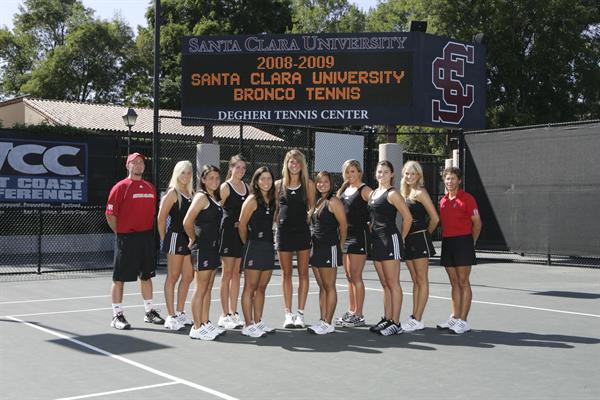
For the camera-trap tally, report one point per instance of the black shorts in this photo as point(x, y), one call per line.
point(458, 251)
point(135, 256)
point(357, 242)
point(326, 257)
point(176, 243)
point(418, 245)
point(387, 247)
point(258, 255)
point(231, 244)
point(205, 257)
point(293, 241)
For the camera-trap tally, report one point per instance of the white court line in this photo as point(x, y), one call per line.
point(500, 304)
point(128, 361)
point(110, 308)
point(86, 396)
point(76, 298)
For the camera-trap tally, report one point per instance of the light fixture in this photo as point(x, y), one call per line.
point(129, 119)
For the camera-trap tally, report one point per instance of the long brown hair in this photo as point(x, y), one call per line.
point(319, 196)
point(205, 171)
point(285, 172)
point(255, 188)
point(386, 163)
point(232, 161)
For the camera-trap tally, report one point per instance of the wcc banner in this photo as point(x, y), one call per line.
point(408, 78)
point(34, 171)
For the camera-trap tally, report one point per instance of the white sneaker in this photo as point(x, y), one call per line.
point(264, 327)
point(173, 323)
point(216, 329)
point(460, 327)
point(252, 331)
point(316, 327)
point(327, 328)
point(411, 325)
point(237, 320)
point(322, 328)
point(299, 321)
point(226, 321)
point(289, 321)
point(448, 324)
point(201, 333)
point(184, 319)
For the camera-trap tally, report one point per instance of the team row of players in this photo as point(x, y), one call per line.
point(230, 224)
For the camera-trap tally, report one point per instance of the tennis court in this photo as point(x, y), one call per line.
point(535, 335)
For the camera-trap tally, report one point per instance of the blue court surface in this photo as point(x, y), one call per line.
point(536, 334)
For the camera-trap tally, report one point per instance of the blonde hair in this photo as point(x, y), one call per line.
point(405, 188)
point(347, 164)
point(179, 168)
point(285, 172)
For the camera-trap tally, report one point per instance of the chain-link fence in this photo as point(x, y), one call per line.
point(50, 237)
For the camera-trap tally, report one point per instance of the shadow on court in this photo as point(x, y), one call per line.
point(114, 343)
point(363, 341)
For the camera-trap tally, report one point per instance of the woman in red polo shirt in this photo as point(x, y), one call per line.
point(461, 226)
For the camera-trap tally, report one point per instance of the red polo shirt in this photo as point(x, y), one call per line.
point(134, 205)
point(456, 214)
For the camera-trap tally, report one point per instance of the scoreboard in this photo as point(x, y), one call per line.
point(356, 79)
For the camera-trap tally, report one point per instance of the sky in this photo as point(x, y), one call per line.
point(132, 11)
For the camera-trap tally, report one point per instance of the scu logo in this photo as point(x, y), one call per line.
point(447, 72)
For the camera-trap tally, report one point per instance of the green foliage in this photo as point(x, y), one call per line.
point(58, 51)
point(543, 56)
point(88, 65)
point(326, 16)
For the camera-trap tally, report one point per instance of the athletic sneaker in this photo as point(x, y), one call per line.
point(353, 321)
point(322, 328)
point(380, 325)
point(391, 329)
point(448, 324)
point(201, 333)
point(253, 331)
point(344, 317)
point(289, 321)
point(184, 319)
point(317, 326)
point(328, 328)
point(264, 327)
point(173, 323)
point(460, 327)
point(299, 321)
point(152, 317)
point(411, 325)
point(226, 321)
point(216, 329)
point(119, 322)
point(237, 320)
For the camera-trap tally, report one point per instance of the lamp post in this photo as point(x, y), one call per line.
point(129, 119)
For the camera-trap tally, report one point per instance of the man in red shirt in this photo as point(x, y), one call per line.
point(461, 226)
point(130, 214)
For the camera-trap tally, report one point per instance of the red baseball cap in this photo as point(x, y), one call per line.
point(133, 156)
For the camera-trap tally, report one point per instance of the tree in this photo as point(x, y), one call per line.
point(326, 16)
point(89, 65)
point(58, 51)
